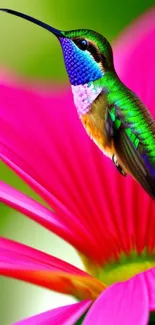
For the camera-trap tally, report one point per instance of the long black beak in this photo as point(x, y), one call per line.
point(55, 31)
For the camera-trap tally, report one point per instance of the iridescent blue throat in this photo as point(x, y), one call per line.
point(80, 65)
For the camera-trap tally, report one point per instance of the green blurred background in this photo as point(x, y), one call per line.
point(30, 51)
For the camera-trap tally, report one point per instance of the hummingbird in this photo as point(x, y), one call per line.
point(112, 115)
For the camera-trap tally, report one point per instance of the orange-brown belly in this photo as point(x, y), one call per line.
point(96, 130)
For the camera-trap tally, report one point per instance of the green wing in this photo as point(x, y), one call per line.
point(131, 150)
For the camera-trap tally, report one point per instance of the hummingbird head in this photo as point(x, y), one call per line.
point(87, 54)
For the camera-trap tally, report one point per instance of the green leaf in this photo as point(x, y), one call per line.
point(151, 319)
point(80, 321)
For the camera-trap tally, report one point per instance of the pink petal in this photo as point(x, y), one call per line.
point(30, 153)
point(80, 191)
point(123, 303)
point(28, 264)
point(76, 234)
point(67, 315)
point(150, 281)
point(19, 255)
point(134, 58)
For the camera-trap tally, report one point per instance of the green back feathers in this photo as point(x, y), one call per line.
point(127, 107)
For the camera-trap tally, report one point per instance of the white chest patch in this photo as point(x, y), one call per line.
point(84, 95)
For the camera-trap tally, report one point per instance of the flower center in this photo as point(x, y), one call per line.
point(123, 269)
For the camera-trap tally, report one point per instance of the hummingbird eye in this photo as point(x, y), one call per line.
point(82, 44)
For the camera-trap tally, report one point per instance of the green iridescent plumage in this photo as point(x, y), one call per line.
point(134, 114)
point(133, 123)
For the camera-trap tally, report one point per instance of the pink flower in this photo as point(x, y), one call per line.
point(108, 219)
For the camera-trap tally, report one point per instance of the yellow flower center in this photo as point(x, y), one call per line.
point(123, 269)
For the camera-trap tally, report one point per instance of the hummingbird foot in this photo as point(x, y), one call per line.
point(118, 166)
